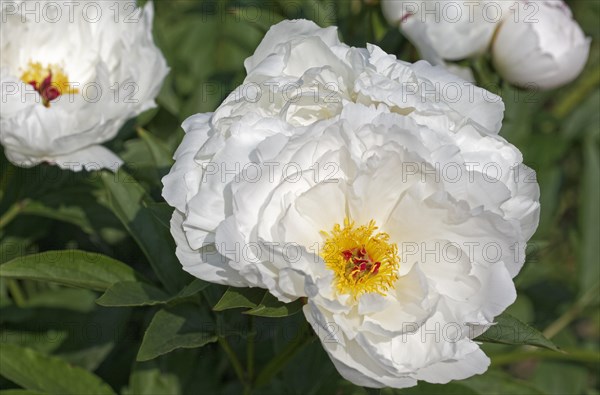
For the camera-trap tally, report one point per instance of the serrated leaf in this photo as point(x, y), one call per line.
point(239, 297)
point(38, 372)
point(270, 306)
point(510, 330)
point(70, 267)
point(180, 326)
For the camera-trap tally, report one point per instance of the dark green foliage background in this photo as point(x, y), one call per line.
point(160, 309)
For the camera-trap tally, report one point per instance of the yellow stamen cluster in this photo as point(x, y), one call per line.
point(50, 81)
point(363, 261)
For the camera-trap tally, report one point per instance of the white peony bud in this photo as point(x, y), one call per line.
point(448, 30)
point(541, 45)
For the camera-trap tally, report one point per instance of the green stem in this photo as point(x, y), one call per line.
point(569, 355)
point(279, 362)
point(587, 84)
point(30, 288)
point(15, 291)
point(12, 212)
point(250, 349)
point(568, 316)
point(235, 362)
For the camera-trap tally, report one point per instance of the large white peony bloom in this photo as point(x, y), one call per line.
point(71, 74)
point(544, 47)
point(378, 189)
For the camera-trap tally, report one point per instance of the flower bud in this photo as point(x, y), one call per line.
point(448, 30)
point(540, 45)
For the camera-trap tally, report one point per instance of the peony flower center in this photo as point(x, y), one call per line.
point(50, 81)
point(363, 261)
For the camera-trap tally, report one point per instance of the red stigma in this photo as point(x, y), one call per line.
point(46, 89)
point(360, 262)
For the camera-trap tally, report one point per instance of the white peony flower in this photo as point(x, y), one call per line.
point(444, 29)
point(378, 189)
point(71, 74)
point(541, 46)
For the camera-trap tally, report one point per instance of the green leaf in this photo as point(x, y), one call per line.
point(70, 267)
point(560, 378)
point(21, 392)
point(167, 98)
point(45, 342)
point(270, 306)
point(38, 372)
point(70, 214)
point(215, 62)
point(482, 70)
point(239, 297)
point(13, 247)
point(147, 116)
point(180, 326)
point(148, 379)
point(424, 388)
point(73, 204)
point(87, 357)
point(192, 289)
point(509, 330)
point(161, 155)
point(497, 383)
point(81, 339)
point(260, 302)
point(277, 363)
point(80, 300)
point(126, 198)
point(162, 212)
point(130, 293)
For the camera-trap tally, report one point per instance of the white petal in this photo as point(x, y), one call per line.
point(91, 158)
point(442, 372)
point(175, 189)
point(206, 264)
